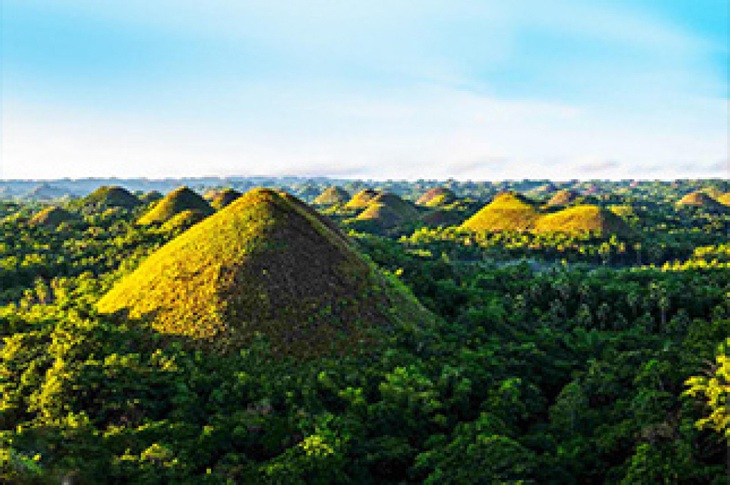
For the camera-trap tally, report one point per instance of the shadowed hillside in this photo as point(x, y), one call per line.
point(179, 200)
point(563, 197)
point(267, 263)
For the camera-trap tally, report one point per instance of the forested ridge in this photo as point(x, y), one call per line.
point(554, 356)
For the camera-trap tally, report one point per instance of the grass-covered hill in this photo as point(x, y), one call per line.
point(265, 264)
point(150, 196)
point(513, 212)
point(436, 197)
point(724, 199)
point(332, 195)
point(108, 196)
point(509, 211)
point(52, 217)
point(361, 199)
point(224, 197)
point(703, 200)
point(179, 200)
point(388, 210)
point(583, 219)
point(563, 197)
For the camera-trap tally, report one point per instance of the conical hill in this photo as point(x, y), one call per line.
point(584, 219)
point(701, 199)
point(265, 264)
point(436, 197)
point(388, 210)
point(508, 211)
point(223, 198)
point(362, 199)
point(563, 197)
point(52, 217)
point(331, 196)
point(179, 200)
point(724, 199)
point(108, 196)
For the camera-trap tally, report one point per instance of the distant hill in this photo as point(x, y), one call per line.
point(388, 210)
point(582, 219)
point(701, 199)
point(332, 195)
point(508, 211)
point(361, 199)
point(52, 217)
point(563, 197)
point(224, 197)
point(179, 200)
point(513, 212)
point(108, 196)
point(151, 196)
point(437, 196)
point(266, 263)
point(47, 192)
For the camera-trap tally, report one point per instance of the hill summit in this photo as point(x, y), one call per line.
point(701, 199)
point(362, 199)
point(332, 195)
point(109, 196)
point(436, 197)
point(222, 198)
point(265, 264)
point(387, 210)
point(179, 200)
point(582, 219)
point(509, 211)
point(52, 217)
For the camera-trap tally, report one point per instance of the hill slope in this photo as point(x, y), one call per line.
point(332, 195)
point(266, 263)
point(108, 196)
point(701, 199)
point(362, 199)
point(583, 219)
point(52, 217)
point(507, 212)
point(179, 200)
point(437, 196)
point(223, 198)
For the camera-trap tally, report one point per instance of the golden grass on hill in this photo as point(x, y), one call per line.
point(361, 199)
point(563, 197)
point(583, 219)
point(507, 212)
point(724, 199)
point(224, 197)
point(331, 196)
point(108, 196)
point(387, 210)
point(52, 217)
point(266, 263)
point(436, 197)
point(701, 199)
point(183, 220)
point(179, 200)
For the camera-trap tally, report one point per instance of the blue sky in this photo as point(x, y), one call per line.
point(481, 90)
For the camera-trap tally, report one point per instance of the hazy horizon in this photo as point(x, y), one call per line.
point(560, 90)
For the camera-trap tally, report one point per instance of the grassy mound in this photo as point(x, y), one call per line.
point(584, 219)
point(52, 217)
point(151, 196)
point(563, 197)
point(436, 197)
point(332, 195)
point(179, 200)
point(183, 221)
point(701, 199)
point(724, 199)
point(442, 218)
point(108, 196)
point(224, 198)
point(362, 199)
point(387, 210)
point(265, 264)
point(508, 211)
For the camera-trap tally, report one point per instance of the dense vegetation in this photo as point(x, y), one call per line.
point(556, 357)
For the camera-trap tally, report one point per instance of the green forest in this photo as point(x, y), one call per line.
point(339, 331)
